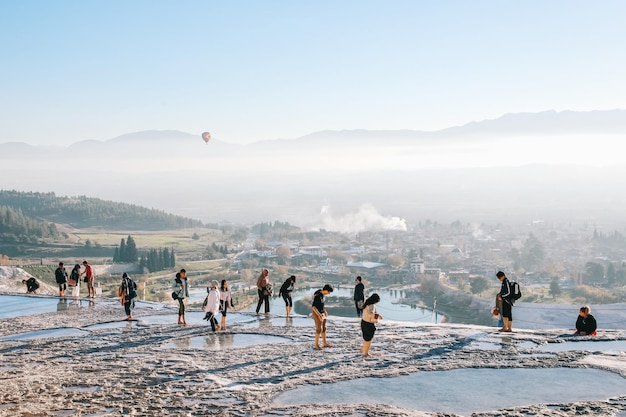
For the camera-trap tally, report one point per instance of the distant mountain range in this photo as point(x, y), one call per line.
point(155, 142)
point(526, 165)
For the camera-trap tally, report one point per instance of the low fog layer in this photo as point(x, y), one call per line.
point(518, 167)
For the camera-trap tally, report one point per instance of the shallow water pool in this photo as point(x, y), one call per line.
point(25, 305)
point(62, 332)
point(606, 346)
point(465, 391)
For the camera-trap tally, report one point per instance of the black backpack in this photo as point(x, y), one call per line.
point(516, 292)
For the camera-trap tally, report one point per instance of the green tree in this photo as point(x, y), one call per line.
point(555, 288)
point(479, 284)
point(594, 273)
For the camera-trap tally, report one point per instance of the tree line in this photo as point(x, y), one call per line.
point(16, 227)
point(153, 259)
point(85, 211)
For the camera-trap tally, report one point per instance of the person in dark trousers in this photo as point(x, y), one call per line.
point(320, 315)
point(586, 323)
point(368, 323)
point(61, 277)
point(128, 292)
point(507, 302)
point(262, 284)
point(183, 292)
point(31, 285)
point(359, 296)
point(285, 292)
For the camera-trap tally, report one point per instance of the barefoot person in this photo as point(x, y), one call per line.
point(263, 288)
point(285, 292)
point(183, 292)
point(370, 317)
point(89, 277)
point(320, 315)
point(60, 274)
point(226, 301)
point(127, 293)
point(505, 295)
point(212, 305)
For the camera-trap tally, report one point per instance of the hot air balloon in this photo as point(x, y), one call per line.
point(206, 136)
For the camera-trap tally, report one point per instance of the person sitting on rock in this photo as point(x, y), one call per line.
point(586, 323)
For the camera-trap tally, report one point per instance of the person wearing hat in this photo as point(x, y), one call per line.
point(212, 305)
point(60, 274)
point(359, 296)
point(507, 304)
point(320, 315)
point(285, 292)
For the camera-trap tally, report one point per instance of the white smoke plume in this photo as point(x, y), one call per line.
point(366, 218)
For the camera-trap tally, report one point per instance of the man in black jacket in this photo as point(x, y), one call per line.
point(61, 277)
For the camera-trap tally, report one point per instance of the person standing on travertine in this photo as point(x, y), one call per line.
point(507, 303)
point(183, 292)
point(320, 315)
point(359, 296)
point(89, 275)
point(264, 296)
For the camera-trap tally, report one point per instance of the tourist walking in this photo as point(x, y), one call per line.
point(586, 323)
point(320, 315)
point(226, 301)
point(182, 293)
point(264, 288)
point(89, 278)
point(211, 306)
point(127, 293)
point(368, 322)
point(60, 274)
point(285, 292)
point(505, 295)
point(359, 296)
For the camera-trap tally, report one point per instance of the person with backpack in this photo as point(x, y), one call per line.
point(285, 292)
point(61, 277)
point(31, 285)
point(506, 295)
point(181, 294)
point(359, 296)
point(127, 293)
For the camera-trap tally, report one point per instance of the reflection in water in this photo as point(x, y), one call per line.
point(62, 304)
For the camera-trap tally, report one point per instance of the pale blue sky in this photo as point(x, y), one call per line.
point(256, 70)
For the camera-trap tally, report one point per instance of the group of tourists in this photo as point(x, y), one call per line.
point(64, 280)
point(586, 324)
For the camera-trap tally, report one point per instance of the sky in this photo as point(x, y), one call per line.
point(256, 70)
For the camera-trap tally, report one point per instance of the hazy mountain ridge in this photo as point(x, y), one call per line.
point(151, 142)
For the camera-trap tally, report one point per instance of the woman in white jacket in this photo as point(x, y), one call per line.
point(212, 306)
point(370, 317)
